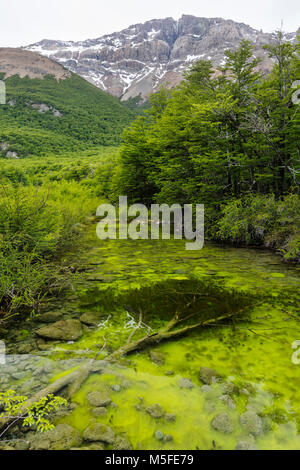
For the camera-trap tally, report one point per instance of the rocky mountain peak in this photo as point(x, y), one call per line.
point(142, 57)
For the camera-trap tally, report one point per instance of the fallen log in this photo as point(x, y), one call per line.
point(75, 379)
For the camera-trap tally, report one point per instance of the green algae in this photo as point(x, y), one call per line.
point(253, 353)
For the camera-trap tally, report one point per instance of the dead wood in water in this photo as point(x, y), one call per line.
point(75, 379)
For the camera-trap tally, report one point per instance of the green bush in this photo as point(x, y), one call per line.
point(261, 219)
point(36, 225)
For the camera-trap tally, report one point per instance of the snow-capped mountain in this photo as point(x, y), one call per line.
point(137, 60)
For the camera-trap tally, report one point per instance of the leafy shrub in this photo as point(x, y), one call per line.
point(261, 219)
point(36, 225)
point(35, 414)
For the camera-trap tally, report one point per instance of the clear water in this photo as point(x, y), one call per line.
point(255, 354)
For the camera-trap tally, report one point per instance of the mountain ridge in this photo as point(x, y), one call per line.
point(142, 57)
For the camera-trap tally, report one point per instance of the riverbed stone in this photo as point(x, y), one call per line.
point(155, 411)
point(159, 435)
point(50, 317)
point(99, 411)
point(246, 445)
point(252, 423)
point(206, 389)
point(209, 376)
point(62, 437)
point(171, 418)
point(25, 348)
point(228, 401)
point(157, 357)
point(65, 330)
point(121, 443)
point(18, 375)
point(43, 345)
point(99, 398)
point(96, 446)
point(91, 318)
point(230, 389)
point(222, 423)
point(186, 383)
point(98, 432)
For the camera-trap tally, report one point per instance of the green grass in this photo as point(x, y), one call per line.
point(88, 116)
point(44, 205)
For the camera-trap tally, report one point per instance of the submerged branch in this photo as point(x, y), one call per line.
point(75, 379)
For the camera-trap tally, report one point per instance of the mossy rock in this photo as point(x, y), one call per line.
point(222, 423)
point(65, 330)
point(91, 319)
point(62, 437)
point(98, 432)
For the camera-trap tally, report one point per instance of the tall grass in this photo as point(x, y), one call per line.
point(36, 225)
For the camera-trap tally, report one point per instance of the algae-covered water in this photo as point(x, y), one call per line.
point(258, 389)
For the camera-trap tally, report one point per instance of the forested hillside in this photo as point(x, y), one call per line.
point(229, 141)
point(47, 115)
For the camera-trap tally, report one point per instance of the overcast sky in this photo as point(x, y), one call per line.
point(24, 22)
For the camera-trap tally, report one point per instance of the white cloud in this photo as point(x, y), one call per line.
point(26, 21)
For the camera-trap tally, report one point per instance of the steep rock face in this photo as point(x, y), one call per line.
point(139, 59)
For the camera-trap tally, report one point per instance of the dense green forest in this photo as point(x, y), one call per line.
point(228, 140)
point(44, 116)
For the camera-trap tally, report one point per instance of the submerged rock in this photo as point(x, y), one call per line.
point(100, 411)
point(186, 383)
point(159, 435)
point(206, 389)
point(50, 317)
point(97, 446)
point(169, 373)
point(209, 376)
point(222, 423)
point(156, 411)
point(157, 357)
point(116, 388)
point(246, 444)
point(99, 399)
point(121, 443)
point(170, 417)
point(91, 318)
point(25, 348)
point(230, 389)
point(228, 401)
point(62, 437)
point(252, 423)
point(65, 330)
point(98, 432)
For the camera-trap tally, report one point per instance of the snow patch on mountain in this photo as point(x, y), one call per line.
point(139, 59)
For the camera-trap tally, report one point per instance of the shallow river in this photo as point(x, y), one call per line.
point(255, 403)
